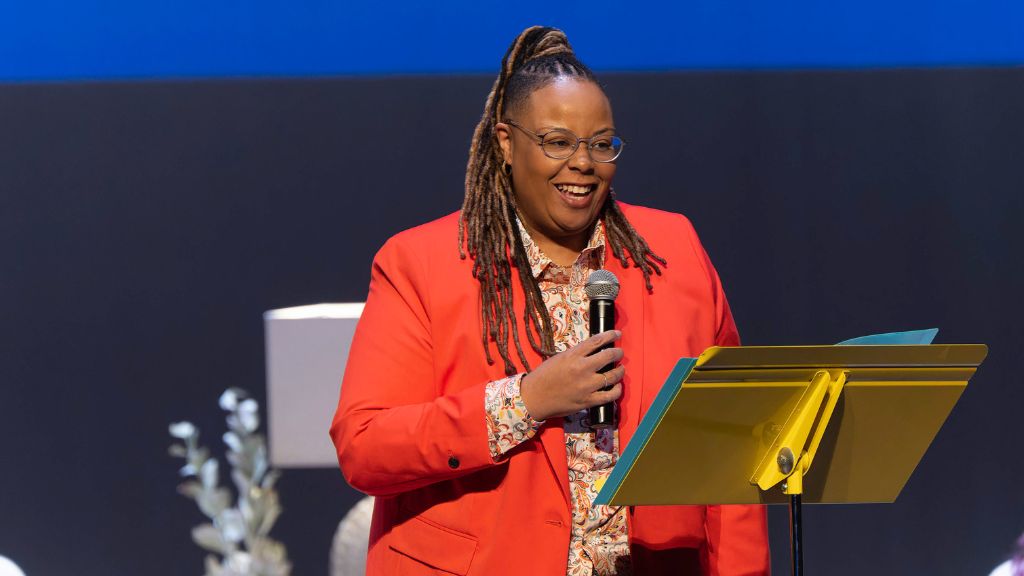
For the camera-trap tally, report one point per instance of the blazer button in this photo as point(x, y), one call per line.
point(453, 462)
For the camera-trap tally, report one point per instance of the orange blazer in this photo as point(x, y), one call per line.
point(411, 429)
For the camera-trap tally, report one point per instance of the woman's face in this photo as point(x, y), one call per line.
point(559, 199)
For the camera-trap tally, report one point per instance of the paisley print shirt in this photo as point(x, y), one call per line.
point(599, 542)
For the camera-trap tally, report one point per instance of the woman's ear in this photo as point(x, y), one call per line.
point(504, 141)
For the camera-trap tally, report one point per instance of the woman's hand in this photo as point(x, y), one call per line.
point(569, 382)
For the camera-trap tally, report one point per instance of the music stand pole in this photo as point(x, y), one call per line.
point(796, 535)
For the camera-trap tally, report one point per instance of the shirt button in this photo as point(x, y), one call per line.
point(453, 462)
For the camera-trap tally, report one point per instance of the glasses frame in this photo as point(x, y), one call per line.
point(575, 146)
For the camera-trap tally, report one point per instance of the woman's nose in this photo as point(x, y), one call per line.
point(581, 157)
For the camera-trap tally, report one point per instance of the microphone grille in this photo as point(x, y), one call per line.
point(602, 285)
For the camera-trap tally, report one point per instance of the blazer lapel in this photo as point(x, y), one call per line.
point(629, 318)
point(552, 436)
point(552, 433)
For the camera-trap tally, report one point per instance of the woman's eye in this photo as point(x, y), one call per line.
point(558, 143)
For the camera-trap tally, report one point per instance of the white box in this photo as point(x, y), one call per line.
point(307, 349)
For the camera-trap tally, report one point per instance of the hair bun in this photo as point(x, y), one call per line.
point(535, 42)
point(549, 41)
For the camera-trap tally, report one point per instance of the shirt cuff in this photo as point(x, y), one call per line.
point(508, 422)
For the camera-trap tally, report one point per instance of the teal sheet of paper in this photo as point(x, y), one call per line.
point(914, 337)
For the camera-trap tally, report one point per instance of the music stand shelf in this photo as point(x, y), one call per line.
point(736, 424)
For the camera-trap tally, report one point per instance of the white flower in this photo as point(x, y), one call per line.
point(248, 415)
point(182, 430)
point(233, 442)
point(209, 474)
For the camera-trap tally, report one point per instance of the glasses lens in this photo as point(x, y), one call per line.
point(559, 144)
point(605, 148)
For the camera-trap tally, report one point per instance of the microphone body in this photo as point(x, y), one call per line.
point(602, 288)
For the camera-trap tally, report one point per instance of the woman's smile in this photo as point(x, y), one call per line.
point(576, 195)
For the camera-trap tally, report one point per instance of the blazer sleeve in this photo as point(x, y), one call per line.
point(393, 431)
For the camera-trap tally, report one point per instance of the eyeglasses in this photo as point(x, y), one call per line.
point(561, 144)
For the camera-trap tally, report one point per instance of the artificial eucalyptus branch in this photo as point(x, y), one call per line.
point(239, 534)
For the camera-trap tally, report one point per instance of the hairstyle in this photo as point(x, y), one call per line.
point(487, 226)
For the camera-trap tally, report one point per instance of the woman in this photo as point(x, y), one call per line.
point(486, 465)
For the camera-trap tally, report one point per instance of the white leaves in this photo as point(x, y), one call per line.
point(273, 560)
point(270, 479)
point(190, 489)
point(213, 502)
point(230, 398)
point(209, 474)
point(231, 525)
point(241, 482)
point(212, 566)
point(238, 533)
point(241, 563)
point(259, 463)
point(248, 415)
point(245, 418)
point(269, 518)
point(207, 536)
point(233, 442)
point(182, 430)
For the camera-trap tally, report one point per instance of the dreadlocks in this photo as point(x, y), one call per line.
point(487, 223)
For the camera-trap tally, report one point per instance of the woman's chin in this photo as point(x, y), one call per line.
point(577, 223)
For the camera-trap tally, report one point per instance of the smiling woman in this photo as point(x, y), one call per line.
point(559, 201)
point(484, 468)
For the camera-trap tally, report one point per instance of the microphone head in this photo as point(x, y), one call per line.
point(602, 285)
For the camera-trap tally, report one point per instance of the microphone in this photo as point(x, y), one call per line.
point(602, 287)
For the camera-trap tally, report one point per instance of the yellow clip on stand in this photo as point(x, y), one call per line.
point(730, 426)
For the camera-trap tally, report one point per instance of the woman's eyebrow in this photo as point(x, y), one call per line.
point(564, 129)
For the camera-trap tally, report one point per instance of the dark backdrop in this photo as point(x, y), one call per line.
point(144, 228)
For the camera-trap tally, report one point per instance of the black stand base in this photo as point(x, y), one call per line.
point(796, 535)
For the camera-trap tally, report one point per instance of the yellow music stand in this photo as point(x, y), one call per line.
point(731, 425)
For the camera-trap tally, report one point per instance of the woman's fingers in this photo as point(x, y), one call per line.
point(607, 396)
point(588, 346)
point(602, 358)
point(569, 382)
point(613, 376)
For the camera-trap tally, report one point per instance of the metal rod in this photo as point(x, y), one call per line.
point(796, 530)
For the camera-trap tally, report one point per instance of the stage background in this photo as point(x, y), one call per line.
point(169, 173)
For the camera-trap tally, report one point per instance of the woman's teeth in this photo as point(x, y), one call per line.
point(576, 190)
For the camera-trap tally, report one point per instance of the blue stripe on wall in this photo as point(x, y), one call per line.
point(64, 39)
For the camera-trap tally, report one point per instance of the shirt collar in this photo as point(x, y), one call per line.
point(539, 261)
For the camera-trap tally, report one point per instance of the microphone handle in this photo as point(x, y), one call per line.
point(602, 319)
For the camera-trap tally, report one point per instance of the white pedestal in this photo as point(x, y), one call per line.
point(307, 349)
